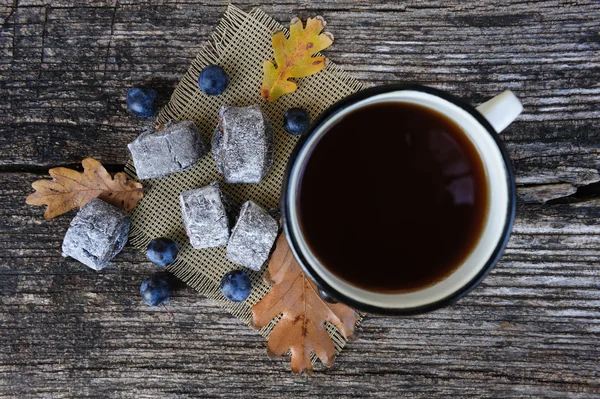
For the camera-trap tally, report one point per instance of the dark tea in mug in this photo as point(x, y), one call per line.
point(420, 207)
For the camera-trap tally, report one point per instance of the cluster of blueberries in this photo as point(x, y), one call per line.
point(156, 290)
point(235, 285)
point(213, 81)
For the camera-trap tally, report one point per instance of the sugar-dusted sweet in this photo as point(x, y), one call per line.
point(97, 233)
point(205, 216)
point(174, 148)
point(242, 144)
point(252, 237)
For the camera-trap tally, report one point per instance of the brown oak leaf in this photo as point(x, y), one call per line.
point(301, 328)
point(294, 57)
point(70, 189)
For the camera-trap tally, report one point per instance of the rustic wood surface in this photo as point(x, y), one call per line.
point(531, 329)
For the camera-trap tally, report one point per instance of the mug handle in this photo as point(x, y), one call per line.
point(501, 110)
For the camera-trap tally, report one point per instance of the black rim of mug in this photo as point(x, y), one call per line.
point(459, 293)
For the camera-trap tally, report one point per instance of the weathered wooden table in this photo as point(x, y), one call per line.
point(531, 329)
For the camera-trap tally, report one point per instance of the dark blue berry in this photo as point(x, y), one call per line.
point(155, 291)
point(142, 101)
point(296, 121)
point(235, 285)
point(213, 80)
point(162, 251)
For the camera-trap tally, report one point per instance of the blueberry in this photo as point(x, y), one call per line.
point(213, 80)
point(296, 121)
point(155, 291)
point(142, 101)
point(162, 251)
point(235, 285)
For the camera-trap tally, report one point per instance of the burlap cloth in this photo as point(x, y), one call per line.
point(241, 43)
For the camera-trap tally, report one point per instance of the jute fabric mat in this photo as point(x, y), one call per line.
point(240, 44)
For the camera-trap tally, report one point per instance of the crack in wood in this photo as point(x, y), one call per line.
point(13, 8)
point(582, 194)
point(110, 40)
point(43, 170)
point(44, 25)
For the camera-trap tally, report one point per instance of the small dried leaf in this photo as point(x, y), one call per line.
point(71, 189)
point(294, 57)
point(301, 328)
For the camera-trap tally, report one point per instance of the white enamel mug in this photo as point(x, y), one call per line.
point(481, 125)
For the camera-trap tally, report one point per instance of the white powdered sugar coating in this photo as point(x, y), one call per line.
point(242, 144)
point(97, 233)
point(205, 217)
point(252, 237)
point(175, 148)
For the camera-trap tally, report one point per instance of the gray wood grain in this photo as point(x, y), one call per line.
point(531, 329)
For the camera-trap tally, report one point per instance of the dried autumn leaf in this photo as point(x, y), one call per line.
point(294, 57)
point(301, 329)
point(70, 189)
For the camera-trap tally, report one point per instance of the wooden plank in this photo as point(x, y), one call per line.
point(530, 329)
point(83, 60)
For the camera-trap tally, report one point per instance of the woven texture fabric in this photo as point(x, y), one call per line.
point(241, 43)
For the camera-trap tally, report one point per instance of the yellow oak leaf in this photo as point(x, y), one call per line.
point(294, 57)
point(70, 189)
point(301, 328)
